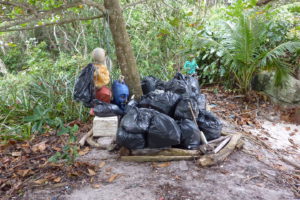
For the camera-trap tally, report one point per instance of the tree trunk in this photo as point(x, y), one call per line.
point(298, 73)
point(125, 56)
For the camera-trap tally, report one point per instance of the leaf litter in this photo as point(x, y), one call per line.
point(24, 165)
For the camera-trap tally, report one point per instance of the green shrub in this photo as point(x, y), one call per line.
point(41, 98)
point(248, 41)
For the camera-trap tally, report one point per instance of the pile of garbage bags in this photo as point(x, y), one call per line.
point(166, 114)
point(169, 114)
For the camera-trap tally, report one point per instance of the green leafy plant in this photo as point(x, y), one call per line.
point(244, 51)
point(37, 100)
point(70, 150)
point(39, 119)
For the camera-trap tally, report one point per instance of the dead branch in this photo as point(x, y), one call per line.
point(94, 144)
point(220, 139)
point(202, 136)
point(83, 139)
point(165, 152)
point(40, 16)
point(212, 159)
point(44, 14)
point(3, 29)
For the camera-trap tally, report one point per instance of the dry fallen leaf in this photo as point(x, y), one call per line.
point(23, 172)
point(113, 177)
point(96, 186)
point(12, 142)
point(291, 141)
point(279, 167)
point(101, 164)
point(260, 157)
point(108, 169)
point(16, 153)
point(166, 164)
point(292, 133)
point(39, 147)
point(84, 151)
point(288, 128)
point(56, 148)
point(57, 180)
point(91, 172)
point(40, 181)
point(260, 184)
point(25, 145)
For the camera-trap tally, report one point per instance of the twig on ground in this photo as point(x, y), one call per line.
point(84, 138)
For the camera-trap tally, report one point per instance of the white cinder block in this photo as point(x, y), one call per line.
point(105, 126)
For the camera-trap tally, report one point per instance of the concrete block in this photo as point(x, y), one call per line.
point(105, 126)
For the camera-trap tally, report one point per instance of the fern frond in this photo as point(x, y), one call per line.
point(281, 50)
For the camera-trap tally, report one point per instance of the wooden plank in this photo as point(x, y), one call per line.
point(221, 145)
point(156, 158)
point(165, 152)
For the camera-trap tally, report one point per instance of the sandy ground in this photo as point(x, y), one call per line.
point(255, 172)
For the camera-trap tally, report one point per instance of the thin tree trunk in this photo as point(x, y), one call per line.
point(298, 73)
point(124, 52)
point(3, 69)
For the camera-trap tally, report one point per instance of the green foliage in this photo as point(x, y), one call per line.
point(70, 151)
point(14, 59)
point(40, 99)
point(247, 43)
point(162, 36)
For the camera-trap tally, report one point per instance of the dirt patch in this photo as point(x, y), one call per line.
point(255, 172)
point(241, 176)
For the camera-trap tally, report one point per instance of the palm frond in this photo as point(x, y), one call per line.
point(282, 71)
point(281, 50)
point(210, 43)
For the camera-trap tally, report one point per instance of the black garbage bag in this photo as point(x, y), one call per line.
point(201, 99)
point(137, 120)
point(107, 110)
point(179, 76)
point(84, 86)
point(184, 84)
point(190, 134)
point(183, 110)
point(163, 132)
point(130, 140)
point(177, 86)
point(193, 84)
point(131, 104)
point(160, 85)
point(164, 102)
point(209, 124)
point(148, 84)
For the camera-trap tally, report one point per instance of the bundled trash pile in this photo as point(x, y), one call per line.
point(170, 114)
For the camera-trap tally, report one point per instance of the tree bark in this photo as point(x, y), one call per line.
point(298, 73)
point(124, 52)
